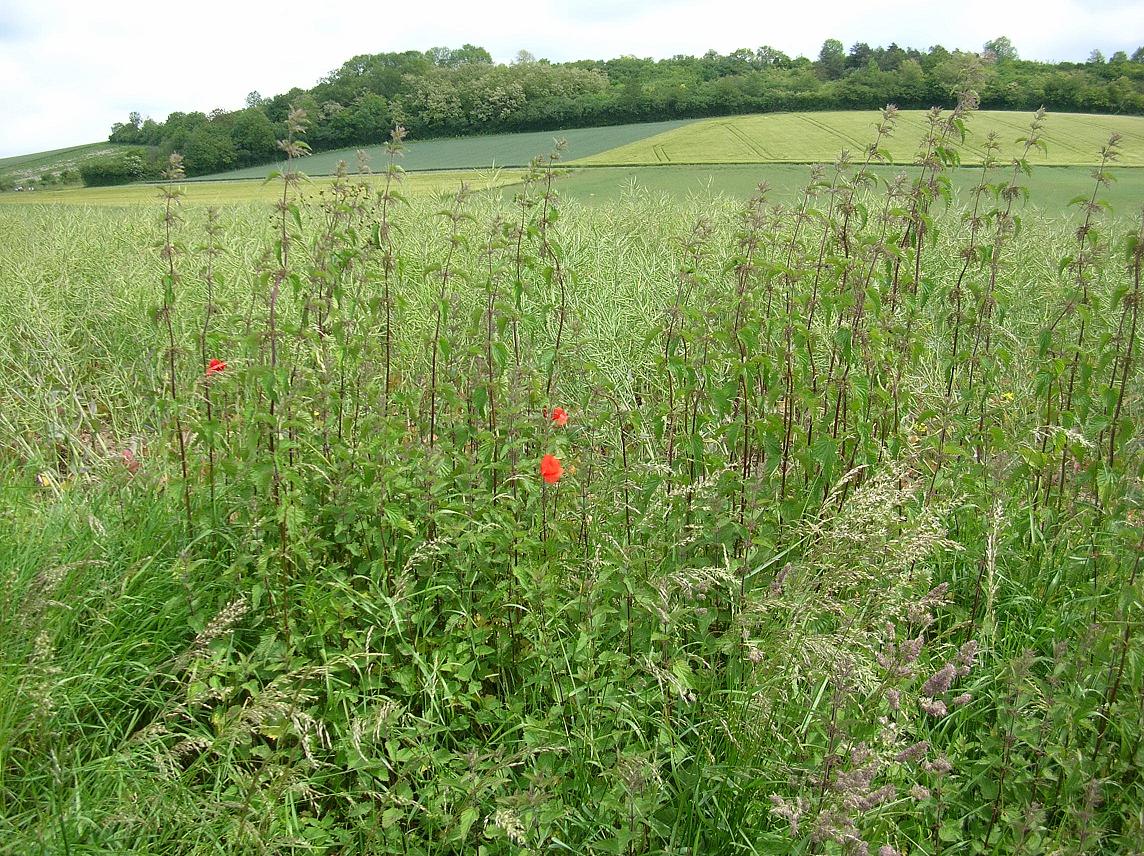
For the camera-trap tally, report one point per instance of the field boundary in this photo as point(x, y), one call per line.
point(572, 166)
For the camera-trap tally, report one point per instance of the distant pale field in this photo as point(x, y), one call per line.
point(477, 151)
point(1072, 139)
point(238, 192)
point(1051, 189)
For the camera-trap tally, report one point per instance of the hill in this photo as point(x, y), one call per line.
point(23, 168)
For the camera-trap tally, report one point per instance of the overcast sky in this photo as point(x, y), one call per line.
point(69, 69)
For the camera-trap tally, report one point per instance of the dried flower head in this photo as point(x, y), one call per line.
point(780, 579)
point(912, 753)
point(940, 681)
point(966, 657)
point(174, 170)
point(933, 707)
point(792, 814)
point(939, 767)
point(509, 823)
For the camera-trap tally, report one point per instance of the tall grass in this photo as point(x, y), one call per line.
point(844, 554)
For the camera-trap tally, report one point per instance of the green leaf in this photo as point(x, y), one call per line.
point(468, 817)
point(950, 831)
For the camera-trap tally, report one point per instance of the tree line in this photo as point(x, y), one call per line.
point(453, 92)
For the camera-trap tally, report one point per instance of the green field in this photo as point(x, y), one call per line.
point(21, 167)
point(475, 152)
point(1051, 189)
point(841, 547)
point(819, 137)
point(609, 512)
point(253, 191)
point(702, 158)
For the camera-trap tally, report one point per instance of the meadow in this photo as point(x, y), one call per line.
point(1073, 139)
point(230, 193)
point(682, 159)
point(491, 521)
point(492, 150)
point(1051, 191)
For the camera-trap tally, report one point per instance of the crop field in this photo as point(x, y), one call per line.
point(1051, 189)
point(818, 137)
point(392, 518)
point(475, 152)
point(253, 191)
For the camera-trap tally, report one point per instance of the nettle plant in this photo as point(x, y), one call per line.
point(483, 590)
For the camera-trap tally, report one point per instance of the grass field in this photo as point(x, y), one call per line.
point(252, 191)
point(819, 137)
point(730, 156)
point(475, 152)
point(503, 523)
point(1051, 189)
point(34, 165)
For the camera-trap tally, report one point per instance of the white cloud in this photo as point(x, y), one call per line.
point(68, 69)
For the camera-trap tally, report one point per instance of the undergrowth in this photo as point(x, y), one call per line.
point(835, 545)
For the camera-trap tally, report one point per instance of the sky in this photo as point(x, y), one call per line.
point(69, 69)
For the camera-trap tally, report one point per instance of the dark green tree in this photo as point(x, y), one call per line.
point(832, 59)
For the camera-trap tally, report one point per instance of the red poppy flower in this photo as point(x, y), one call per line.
point(559, 417)
point(551, 469)
point(215, 366)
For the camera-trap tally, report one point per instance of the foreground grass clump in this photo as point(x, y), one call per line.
point(499, 525)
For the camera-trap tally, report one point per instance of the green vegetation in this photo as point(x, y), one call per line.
point(208, 193)
point(122, 167)
point(817, 138)
point(60, 166)
point(450, 93)
point(364, 522)
point(1052, 190)
point(476, 152)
